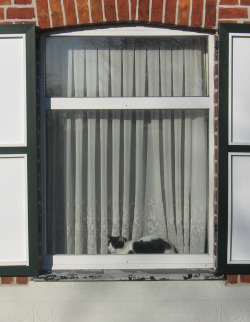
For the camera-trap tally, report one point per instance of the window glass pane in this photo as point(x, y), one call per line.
point(129, 173)
point(126, 66)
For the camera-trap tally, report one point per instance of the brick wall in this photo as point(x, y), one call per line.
point(57, 13)
point(200, 14)
point(14, 280)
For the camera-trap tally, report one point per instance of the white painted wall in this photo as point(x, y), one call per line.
point(125, 301)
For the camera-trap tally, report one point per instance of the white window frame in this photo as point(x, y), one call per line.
point(155, 261)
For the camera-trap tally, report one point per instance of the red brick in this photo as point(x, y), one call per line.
point(215, 209)
point(170, 12)
point(245, 278)
point(7, 280)
point(20, 13)
point(96, 10)
point(216, 171)
point(22, 280)
point(70, 12)
point(215, 241)
point(245, 2)
point(232, 279)
point(216, 69)
point(183, 13)
point(156, 12)
point(7, 23)
point(56, 13)
point(216, 139)
point(228, 2)
point(233, 13)
point(1, 14)
point(3, 2)
point(43, 13)
point(216, 55)
point(143, 13)
point(22, 2)
point(216, 178)
point(216, 159)
point(216, 126)
point(216, 83)
point(216, 221)
point(216, 97)
point(215, 196)
point(109, 9)
point(133, 4)
point(83, 11)
point(123, 10)
point(216, 113)
point(215, 250)
point(210, 17)
point(197, 13)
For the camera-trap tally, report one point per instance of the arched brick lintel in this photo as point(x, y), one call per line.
point(183, 13)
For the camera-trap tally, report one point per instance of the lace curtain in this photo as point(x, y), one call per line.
point(133, 173)
point(126, 67)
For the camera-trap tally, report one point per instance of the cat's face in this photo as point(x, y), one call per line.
point(115, 243)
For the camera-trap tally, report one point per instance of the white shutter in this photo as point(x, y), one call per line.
point(18, 157)
point(234, 150)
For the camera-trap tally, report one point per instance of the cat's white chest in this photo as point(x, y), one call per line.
point(122, 251)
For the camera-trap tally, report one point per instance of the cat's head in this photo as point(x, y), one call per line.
point(115, 243)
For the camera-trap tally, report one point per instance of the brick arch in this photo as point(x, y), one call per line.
point(201, 14)
point(185, 13)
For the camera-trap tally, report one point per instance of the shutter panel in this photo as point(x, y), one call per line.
point(18, 152)
point(234, 150)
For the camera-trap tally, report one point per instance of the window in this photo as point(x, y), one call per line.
point(127, 140)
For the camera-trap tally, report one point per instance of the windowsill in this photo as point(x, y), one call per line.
point(126, 275)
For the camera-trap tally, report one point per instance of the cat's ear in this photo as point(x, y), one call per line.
point(125, 239)
point(122, 239)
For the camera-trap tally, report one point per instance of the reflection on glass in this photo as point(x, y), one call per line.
point(129, 173)
point(126, 66)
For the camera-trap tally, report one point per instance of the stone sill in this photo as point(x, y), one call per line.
point(124, 275)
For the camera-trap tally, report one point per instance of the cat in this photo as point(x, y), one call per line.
point(145, 245)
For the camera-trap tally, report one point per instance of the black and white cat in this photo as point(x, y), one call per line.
point(145, 245)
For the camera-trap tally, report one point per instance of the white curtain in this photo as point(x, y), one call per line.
point(126, 67)
point(130, 173)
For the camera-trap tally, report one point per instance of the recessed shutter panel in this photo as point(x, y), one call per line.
point(18, 152)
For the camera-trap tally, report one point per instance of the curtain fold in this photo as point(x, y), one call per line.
point(133, 173)
point(104, 179)
point(127, 124)
point(115, 173)
point(91, 180)
point(139, 176)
